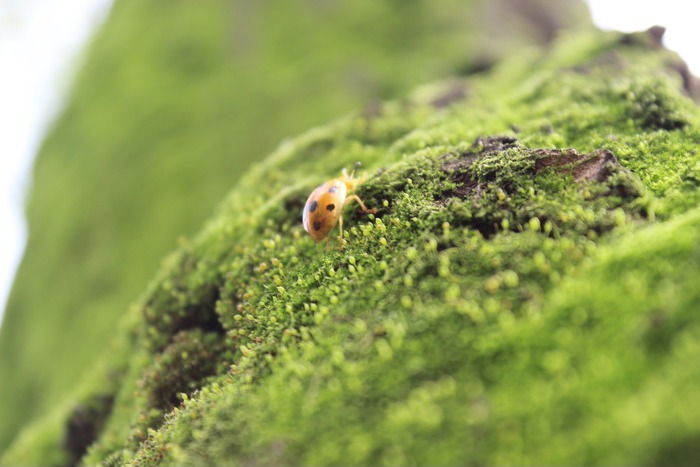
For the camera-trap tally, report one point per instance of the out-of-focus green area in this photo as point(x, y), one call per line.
point(174, 101)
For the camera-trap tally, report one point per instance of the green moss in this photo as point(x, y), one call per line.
point(525, 293)
point(171, 107)
point(571, 381)
point(181, 368)
point(85, 424)
point(513, 300)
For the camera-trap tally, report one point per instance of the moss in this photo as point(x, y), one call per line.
point(518, 298)
point(180, 369)
point(510, 187)
point(85, 424)
point(651, 109)
point(177, 305)
point(167, 112)
point(410, 385)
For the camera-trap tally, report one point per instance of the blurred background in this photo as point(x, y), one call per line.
point(124, 122)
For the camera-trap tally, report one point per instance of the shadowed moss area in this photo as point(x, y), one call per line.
point(525, 294)
point(172, 105)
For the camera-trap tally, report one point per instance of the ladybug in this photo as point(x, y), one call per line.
point(324, 208)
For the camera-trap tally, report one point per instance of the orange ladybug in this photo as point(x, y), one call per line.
point(324, 208)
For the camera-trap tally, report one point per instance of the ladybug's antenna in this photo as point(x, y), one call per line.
point(358, 164)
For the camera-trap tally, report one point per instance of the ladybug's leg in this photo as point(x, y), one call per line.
point(362, 205)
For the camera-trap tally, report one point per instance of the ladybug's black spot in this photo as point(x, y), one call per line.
point(317, 225)
point(333, 189)
point(313, 206)
point(330, 207)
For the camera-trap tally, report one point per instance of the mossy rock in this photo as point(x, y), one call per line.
point(526, 292)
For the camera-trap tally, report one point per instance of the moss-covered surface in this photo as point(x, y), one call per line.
point(525, 294)
point(172, 105)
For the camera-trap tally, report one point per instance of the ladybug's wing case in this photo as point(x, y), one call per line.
point(323, 208)
point(305, 213)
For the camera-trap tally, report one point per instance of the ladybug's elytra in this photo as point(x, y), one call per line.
point(324, 208)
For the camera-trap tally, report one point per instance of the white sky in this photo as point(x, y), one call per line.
point(680, 18)
point(40, 40)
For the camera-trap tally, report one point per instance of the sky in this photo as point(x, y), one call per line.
point(678, 16)
point(41, 42)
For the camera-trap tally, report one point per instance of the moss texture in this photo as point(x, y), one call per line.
point(172, 105)
point(525, 294)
